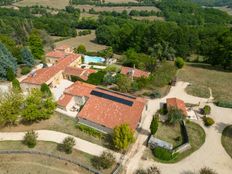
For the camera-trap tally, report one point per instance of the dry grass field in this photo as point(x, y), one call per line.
point(204, 76)
point(149, 18)
point(118, 9)
point(59, 4)
point(87, 41)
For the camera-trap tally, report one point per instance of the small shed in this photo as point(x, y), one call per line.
point(155, 142)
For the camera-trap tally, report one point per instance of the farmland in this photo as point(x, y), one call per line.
point(59, 4)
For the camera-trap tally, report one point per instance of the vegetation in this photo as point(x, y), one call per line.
point(89, 131)
point(207, 170)
point(96, 78)
point(206, 110)
point(163, 154)
point(27, 57)
point(45, 90)
point(123, 136)
point(30, 139)
point(227, 140)
point(154, 124)
point(150, 170)
point(105, 161)
point(179, 62)
point(25, 70)
point(208, 121)
point(198, 90)
point(175, 115)
point(80, 49)
point(68, 144)
point(36, 45)
point(10, 74)
point(84, 32)
point(16, 85)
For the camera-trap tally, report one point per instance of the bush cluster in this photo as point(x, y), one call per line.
point(25, 70)
point(224, 104)
point(163, 154)
point(84, 32)
point(208, 121)
point(206, 110)
point(30, 139)
point(67, 145)
point(89, 131)
point(105, 161)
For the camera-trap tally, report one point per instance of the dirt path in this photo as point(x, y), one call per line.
point(211, 154)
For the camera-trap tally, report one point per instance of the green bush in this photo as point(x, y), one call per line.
point(206, 110)
point(179, 62)
point(45, 90)
point(224, 104)
point(25, 70)
point(208, 121)
point(105, 161)
point(16, 85)
point(154, 124)
point(163, 154)
point(10, 74)
point(30, 139)
point(68, 144)
point(89, 130)
point(207, 170)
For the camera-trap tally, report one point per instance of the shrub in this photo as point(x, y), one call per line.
point(154, 124)
point(89, 130)
point(179, 62)
point(25, 70)
point(224, 104)
point(206, 110)
point(155, 94)
point(105, 161)
point(207, 170)
point(30, 139)
point(45, 90)
point(10, 74)
point(16, 85)
point(68, 144)
point(208, 121)
point(175, 115)
point(80, 49)
point(163, 154)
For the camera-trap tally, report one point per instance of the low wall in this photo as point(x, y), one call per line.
point(182, 148)
point(92, 170)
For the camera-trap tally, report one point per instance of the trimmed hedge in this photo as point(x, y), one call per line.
point(224, 104)
point(89, 131)
point(163, 154)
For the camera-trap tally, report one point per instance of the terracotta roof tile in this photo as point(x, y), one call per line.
point(175, 102)
point(56, 54)
point(64, 100)
point(79, 72)
point(137, 73)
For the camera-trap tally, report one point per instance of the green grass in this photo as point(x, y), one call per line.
point(59, 123)
point(196, 138)
point(169, 133)
point(198, 91)
point(227, 140)
point(203, 76)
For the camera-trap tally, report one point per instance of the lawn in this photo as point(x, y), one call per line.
point(170, 134)
point(43, 164)
point(227, 140)
point(196, 138)
point(59, 4)
point(203, 76)
point(57, 123)
point(88, 41)
point(26, 163)
point(198, 91)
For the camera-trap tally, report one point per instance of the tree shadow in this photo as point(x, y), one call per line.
point(187, 172)
point(209, 67)
point(220, 127)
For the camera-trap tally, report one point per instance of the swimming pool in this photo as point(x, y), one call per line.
point(94, 59)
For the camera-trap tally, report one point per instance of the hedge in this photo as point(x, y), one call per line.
point(89, 131)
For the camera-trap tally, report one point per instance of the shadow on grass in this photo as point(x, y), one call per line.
point(209, 67)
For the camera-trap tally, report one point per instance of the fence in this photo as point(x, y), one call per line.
point(52, 156)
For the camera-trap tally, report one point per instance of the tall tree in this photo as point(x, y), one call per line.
point(36, 45)
point(154, 124)
point(27, 57)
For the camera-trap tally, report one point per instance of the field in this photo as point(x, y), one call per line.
point(58, 123)
point(205, 76)
point(227, 140)
point(59, 4)
point(118, 9)
point(149, 18)
point(27, 163)
point(87, 41)
point(196, 139)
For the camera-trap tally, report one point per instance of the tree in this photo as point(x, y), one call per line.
point(10, 74)
point(45, 90)
point(179, 62)
point(68, 144)
point(30, 139)
point(80, 49)
point(175, 115)
point(206, 110)
point(37, 107)
point(105, 161)
point(36, 45)
point(207, 170)
point(124, 83)
point(150, 170)
point(27, 57)
point(123, 136)
point(96, 78)
point(154, 124)
point(10, 107)
point(16, 85)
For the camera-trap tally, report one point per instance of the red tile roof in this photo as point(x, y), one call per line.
point(56, 54)
point(137, 73)
point(177, 103)
point(62, 47)
point(79, 72)
point(43, 75)
point(64, 100)
point(104, 111)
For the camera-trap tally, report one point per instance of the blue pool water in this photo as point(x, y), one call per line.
point(94, 59)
